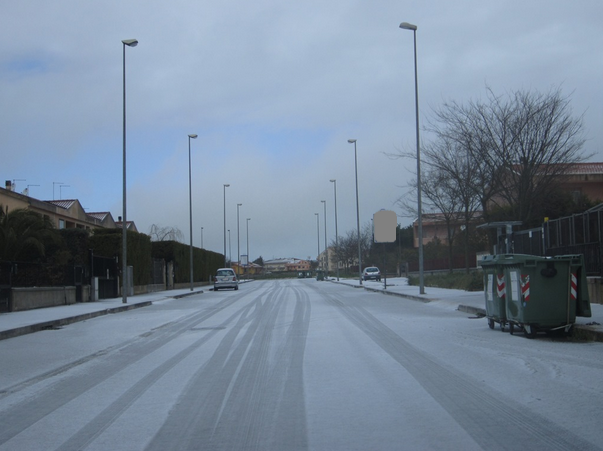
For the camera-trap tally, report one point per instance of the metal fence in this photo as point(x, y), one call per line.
point(576, 234)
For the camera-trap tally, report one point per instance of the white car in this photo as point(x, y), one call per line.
point(225, 278)
point(372, 273)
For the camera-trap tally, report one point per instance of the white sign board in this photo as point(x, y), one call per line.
point(384, 224)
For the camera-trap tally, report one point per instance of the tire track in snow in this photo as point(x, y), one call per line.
point(249, 395)
point(26, 413)
point(494, 423)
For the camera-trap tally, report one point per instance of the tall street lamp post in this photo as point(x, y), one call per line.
point(318, 238)
point(413, 28)
point(225, 186)
point(324, 203)
point(190, 204)
point(357, 212)
point(238, 239)
point(201, 237)
point(124, 248)
point(334, 182)
point(248, 219)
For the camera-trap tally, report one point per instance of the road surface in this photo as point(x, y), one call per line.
point(296, 365)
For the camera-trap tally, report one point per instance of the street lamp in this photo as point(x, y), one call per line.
point(229, 248)
point(225, 186)
point(413, 28)
point(190, 204)
point(248, 219)
point(324, 203)
point(201, 237)
point(334, 182)
point(318, 236)
point(357, 212)
point(238, 239)
point(124, 250)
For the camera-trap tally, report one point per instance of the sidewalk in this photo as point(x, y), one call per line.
point(472, 302)
point(14, 324)
point(19, 323)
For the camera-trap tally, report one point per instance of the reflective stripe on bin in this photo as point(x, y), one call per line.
point(525, 287)
point(574, 287)
point(500, 286)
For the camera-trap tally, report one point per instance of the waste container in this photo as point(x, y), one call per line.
point(544, 293)
point(320, 275)
point(494, 290)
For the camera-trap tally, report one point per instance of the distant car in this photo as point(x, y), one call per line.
point(225, 278)
point(371, 273)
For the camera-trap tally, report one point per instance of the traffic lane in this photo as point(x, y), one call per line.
point(98, 388)
point(358, 397)
point(480, 409)
point(57, 350)
point(555, 377)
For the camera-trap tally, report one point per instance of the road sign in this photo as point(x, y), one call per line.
point(385, 223)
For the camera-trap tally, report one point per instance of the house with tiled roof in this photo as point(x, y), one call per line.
point(106, 219)
point(584, 179)
point(64, 214)
point(578, 179)
point(129, 225)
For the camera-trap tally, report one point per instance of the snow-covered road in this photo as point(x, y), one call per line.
point(296, 364)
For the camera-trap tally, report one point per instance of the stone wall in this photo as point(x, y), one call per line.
point(32, 298)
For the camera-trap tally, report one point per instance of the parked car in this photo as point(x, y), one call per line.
point(225, 278)
point(371, 273)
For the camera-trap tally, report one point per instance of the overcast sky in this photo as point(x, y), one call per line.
point(273, 90)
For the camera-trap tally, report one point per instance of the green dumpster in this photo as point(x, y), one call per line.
point(544, 293)
point(494, 290)
point(320, 275)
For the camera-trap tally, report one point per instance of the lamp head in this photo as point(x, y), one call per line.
point(333, 180)
point(192, 136)
point(408, 26)
point(130, 42)
point(351, 141)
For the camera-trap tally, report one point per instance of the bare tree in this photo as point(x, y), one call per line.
point(159, 233)
point(346, 247)
point(518, 145)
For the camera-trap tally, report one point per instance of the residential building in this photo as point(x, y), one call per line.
point(64, 214)
point(435, 227)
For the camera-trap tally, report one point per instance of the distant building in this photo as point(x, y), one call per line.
point(298, 265)
point(286, 265)
point(250, 269)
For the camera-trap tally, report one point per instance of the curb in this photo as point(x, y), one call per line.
point(581, 332)
point(57, 323)
point(401, 295)
point(474, 310)
point(180, 296)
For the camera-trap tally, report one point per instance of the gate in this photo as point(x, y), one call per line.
point(106, 271)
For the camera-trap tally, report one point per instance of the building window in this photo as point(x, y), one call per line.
point(61, 223)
